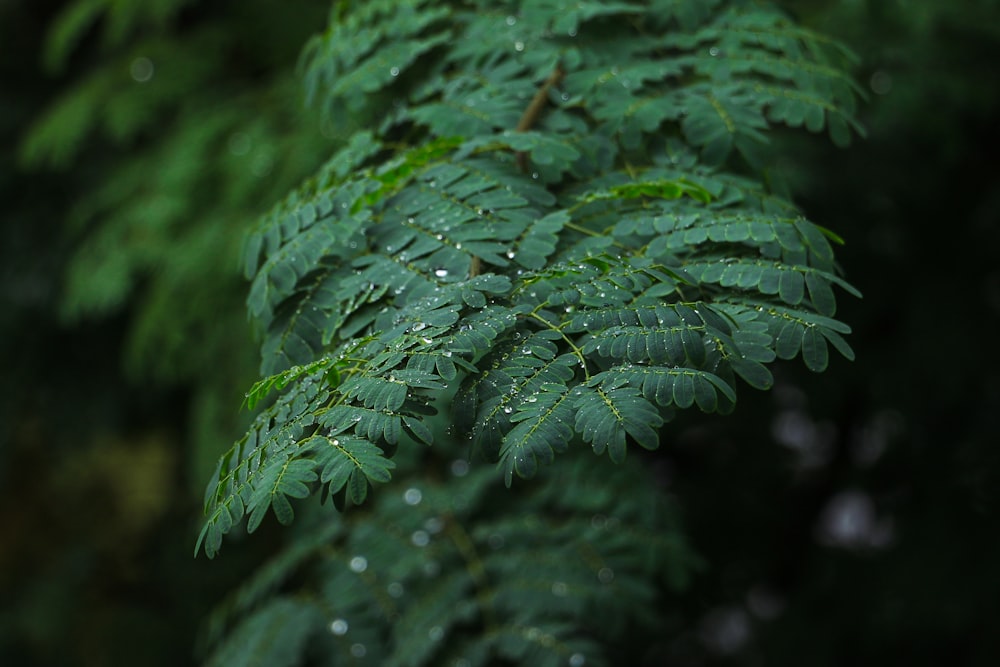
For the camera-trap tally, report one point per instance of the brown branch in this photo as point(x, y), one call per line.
point(527, 121)
point(534, 110)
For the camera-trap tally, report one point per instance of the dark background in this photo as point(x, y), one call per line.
point(851, 517)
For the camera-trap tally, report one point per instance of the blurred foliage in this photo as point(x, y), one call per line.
point(181, 123)
point(148, 136)
point(855, 526)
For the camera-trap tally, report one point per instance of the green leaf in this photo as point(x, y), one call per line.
point(341, 458)
point(814, 350)
point(604, 418)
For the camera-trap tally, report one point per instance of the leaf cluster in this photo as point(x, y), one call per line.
point(460, 571)
point(555, 234)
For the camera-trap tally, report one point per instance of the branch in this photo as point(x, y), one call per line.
point(534, 109)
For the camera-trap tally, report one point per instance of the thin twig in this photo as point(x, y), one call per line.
point(534, 110)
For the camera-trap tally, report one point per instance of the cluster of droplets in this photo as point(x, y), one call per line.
point(339, 627)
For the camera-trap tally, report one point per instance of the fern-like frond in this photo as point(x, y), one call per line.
point(553, 234)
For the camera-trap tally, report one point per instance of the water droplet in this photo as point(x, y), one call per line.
point(531, 399)
point(434, 525)
point(339, 627)
point(534, 175)
point(420, 538)
point(419, 326)
point(240, 143)
point(495, 541)
point(459, 467)
point(358, 650)
point(141, 69)
point(359, 564)
point(880, 82)
point(412, 496)
point(511, 254)
point(458, 246)
point(393, 71)
point(559, 589)
point(714, 51)
point(436, 633)
point(447, 353)
point(571, 32)
point(507, 410)
point(441, 273)
point(395, 589)
point(605, 575)
point(511, 20)
point(577, 660)
point(519, 46)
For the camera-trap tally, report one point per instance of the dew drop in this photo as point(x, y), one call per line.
point(358, 650)
point(420, 538)
point(412, 496)
point(459, 467)
point(519, 46)
point(577, 660)
point(339, 627)
point(714, 51)
point(359, 564)
point(393, 71)
point(441, 273)
point(395, 590)
point(435, 633)
point(605, 575)
point(511, 20)
point(141, 69)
